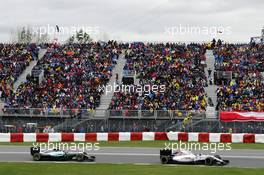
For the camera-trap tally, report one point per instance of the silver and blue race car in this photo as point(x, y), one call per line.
point(59, 155)
point(168, 156)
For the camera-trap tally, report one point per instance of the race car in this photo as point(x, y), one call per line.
point(59, 155)
point(168, 156)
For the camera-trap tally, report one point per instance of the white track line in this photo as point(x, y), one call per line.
point(119, 163)
point(124, 147)
point(142, 154)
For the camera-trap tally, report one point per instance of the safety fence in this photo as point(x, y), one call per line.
point(84, 113)
point(10, 124)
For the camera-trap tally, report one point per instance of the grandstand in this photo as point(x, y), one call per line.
point(60, 87)
point(244, 90)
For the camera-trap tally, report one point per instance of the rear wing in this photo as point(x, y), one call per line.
point(165, 152)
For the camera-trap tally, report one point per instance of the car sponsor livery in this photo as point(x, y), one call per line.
point(167, 156)
point(59, 155)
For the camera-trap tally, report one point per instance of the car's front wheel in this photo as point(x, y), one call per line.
point(164, 159)
point(209, 161)
point(36, 157)
point(80, 157)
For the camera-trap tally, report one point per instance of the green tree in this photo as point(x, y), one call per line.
point(80, 37)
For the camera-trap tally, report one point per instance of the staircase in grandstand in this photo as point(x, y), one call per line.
point(22, 78)
point(107, 97)
point(210, 89)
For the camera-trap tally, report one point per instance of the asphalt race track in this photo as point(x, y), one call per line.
point(238, 158)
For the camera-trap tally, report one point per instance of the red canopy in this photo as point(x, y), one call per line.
point(241, 116)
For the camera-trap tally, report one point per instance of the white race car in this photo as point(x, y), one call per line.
point(186, 157)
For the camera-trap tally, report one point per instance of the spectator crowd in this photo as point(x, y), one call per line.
point(245, 92)
point(14, 58)
point(72, 74)
point(180, 68)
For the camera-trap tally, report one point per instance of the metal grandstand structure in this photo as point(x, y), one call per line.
point(258, 39)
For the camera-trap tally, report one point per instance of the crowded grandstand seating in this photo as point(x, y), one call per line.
point(241, 59)
point(245, 92)
point(14, 58)
point(179, 68)
point(72, 74)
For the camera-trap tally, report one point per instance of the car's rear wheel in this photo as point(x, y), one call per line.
point(80, 157)
point(36, 157)
point(164, 159)
point(209, 161)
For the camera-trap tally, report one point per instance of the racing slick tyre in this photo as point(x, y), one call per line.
point(164, 159)
point(36, 157)
point(80, 157)
point(209, 161)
